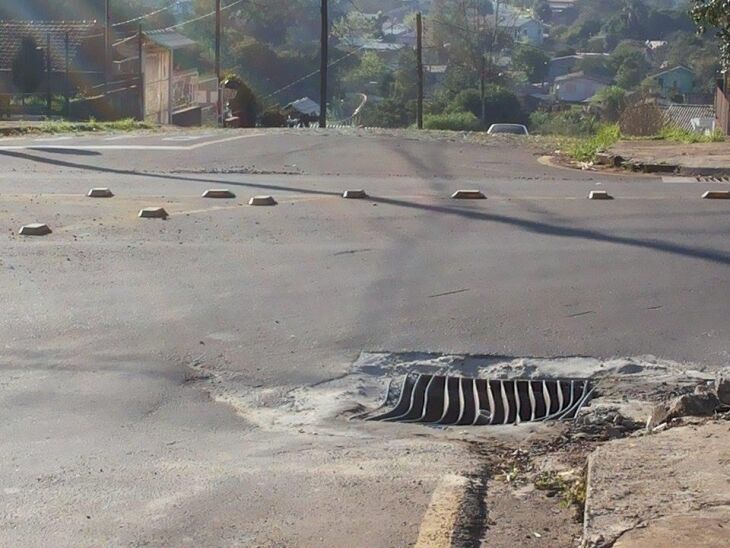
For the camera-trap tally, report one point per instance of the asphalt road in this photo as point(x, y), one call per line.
point(109, 436)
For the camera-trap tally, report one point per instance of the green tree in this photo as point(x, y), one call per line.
point(28, 66)
point(371, 68)
point(715, 13)
point(611, 101)
point(631, 20)
point(542, 10)
point(532, 61)
point(630, 74)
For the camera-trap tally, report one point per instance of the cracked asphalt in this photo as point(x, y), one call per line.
point(113, 326)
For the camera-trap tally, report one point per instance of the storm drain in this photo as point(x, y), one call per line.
point(449, 400)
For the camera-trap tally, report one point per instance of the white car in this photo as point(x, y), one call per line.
point(513, 129)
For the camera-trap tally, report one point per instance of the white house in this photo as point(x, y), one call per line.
point(578, 87)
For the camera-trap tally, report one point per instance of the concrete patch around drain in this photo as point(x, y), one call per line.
point(218, 193)
point(374, 381)
point(153, 213)
point(355, 194)
point(468, 195)
point(100, 193)
point(599, 195)
point(717, 195)
point(35, 229)
point(262, 201)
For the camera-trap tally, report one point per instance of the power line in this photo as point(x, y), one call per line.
point(313, 73)
point(146, 15)
point(178, 25)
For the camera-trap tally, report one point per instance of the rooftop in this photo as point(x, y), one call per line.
point(13, 32)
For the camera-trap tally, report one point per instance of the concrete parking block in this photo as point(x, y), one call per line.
point(153, 213)
point(218, 193)
point(717, 195)
point(262, 201)
point(100, 193)
point(355, 194)
point(468, 195)
point(35, 229)
point(599, 195)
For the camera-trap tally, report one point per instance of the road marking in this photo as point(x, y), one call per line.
point(49, 139)
point(156, 148)
point(189, 137)
point(121, 137)
point(439, 521)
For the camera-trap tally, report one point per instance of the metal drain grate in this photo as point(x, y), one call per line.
point(439, 399)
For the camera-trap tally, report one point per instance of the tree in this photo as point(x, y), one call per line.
point(28, 66)
point(611, 101)
point(532, 61)
point(715, 13)
point(370, 69)
point(631, 21)
point(501, 105)
point(542, 10)
point(630, 74)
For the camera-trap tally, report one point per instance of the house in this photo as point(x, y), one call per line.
point(522, 27)
point(578, 87)
point(303, 106)
point(84, 51)
point(675, 81)
point(560, 66)
point(398, 33)
point(697, 118)
point(170, 96)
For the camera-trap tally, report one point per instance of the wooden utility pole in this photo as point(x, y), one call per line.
point(66, 78)
point(324, 61)
point(107, 44)
point(49, 96)
point(140, 54)
point(419, 68)
point(219, 101)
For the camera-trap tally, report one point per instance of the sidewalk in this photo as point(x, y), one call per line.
point(667, 489)
point(685, 159)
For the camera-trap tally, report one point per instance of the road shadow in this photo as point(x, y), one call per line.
point(69, 151)
point(537, 227)
point(558, 231)
point(114, 171)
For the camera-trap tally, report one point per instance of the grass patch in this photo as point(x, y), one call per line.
point(62, 126)
point(585, 150)
point(572, 490)
point(679, 135)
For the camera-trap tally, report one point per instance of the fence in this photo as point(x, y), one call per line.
point(184, 89)
point(722, 110)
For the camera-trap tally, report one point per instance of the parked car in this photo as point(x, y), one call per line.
point(513, 129)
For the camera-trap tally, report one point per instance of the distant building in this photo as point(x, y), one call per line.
point(560, 66)
point(522, 27)
point(578, 87)
point(678, 80)
point(697, 118)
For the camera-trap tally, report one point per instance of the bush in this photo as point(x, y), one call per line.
point(273, 117)
point(567, 122)
point(454, 121)
point(605, 138)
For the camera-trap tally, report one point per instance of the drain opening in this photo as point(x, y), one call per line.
point(449, 400)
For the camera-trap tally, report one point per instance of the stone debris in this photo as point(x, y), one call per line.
point(702, 403)
point(722, 385)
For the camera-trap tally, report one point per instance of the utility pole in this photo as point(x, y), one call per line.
point(419, 68)
point(107, 44)
point(324, 61)
point(49, 68)
point(66, 79)
point(140, 54)
point(219, 101)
